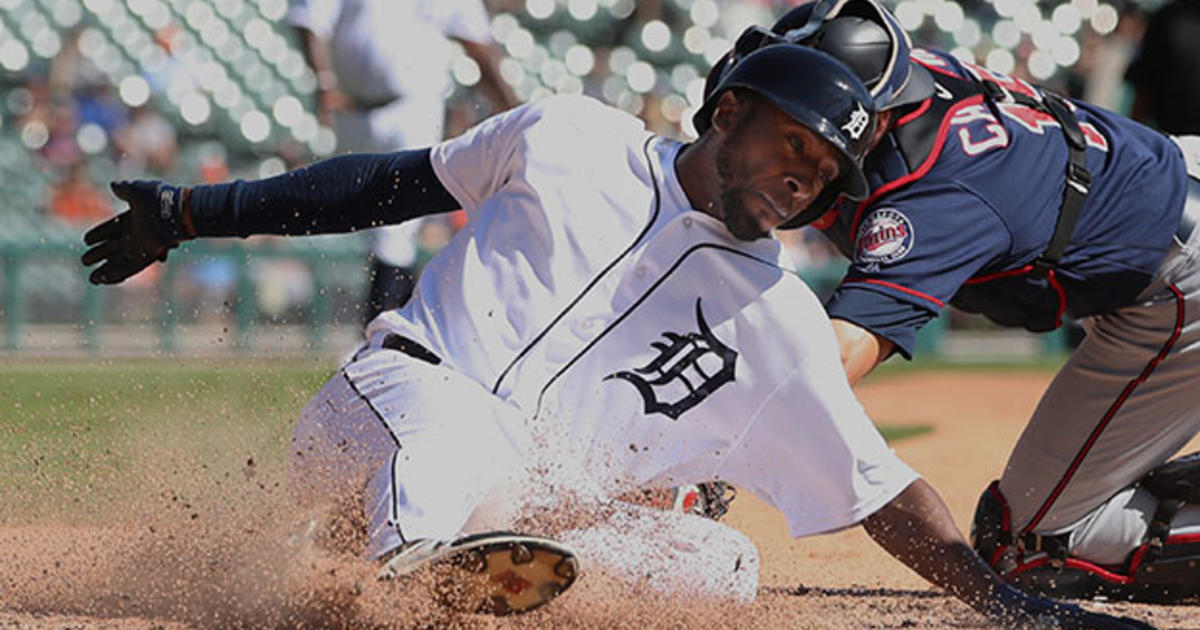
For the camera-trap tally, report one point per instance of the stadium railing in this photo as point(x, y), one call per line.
point(19, 259)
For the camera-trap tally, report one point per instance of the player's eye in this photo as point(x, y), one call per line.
point(796, 143)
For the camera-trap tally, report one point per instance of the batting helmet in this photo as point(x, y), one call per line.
point(859, 33)
point(837, 107)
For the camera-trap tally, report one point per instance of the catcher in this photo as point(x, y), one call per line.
point(1001, 198)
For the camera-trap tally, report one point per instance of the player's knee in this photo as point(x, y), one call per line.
point(688, 555)
point(744, 568)
point(727, 558)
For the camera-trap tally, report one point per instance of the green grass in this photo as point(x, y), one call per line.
point(895, 433)
point(78, 436)
point(897, 366)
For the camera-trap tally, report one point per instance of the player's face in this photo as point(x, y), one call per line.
point(770, 168)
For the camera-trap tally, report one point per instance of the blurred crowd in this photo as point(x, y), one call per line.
point(81, 130)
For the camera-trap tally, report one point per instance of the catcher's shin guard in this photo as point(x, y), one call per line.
point(1035, 564)
point(991, 529)
point(1164, 568)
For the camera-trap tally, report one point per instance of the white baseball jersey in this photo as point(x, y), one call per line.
point(393, 55)
point(585, 291)
point(385, 49)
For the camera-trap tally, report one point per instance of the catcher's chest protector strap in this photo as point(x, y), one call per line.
point(918, 138)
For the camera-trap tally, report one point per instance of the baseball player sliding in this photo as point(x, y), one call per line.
point(612, 312)
point(1003, 199)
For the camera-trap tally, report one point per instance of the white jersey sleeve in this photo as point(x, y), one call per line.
point(464, 19)
point(317, 16)
point(811, 450)
point(531, 137)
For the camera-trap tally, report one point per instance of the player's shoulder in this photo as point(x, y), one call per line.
point(557, 103)
point(577, 114)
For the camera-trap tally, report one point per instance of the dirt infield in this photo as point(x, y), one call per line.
point(216, 568)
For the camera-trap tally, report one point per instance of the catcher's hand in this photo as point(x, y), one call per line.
point(130, 241)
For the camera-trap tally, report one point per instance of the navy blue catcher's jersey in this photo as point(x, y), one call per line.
point(965, 195)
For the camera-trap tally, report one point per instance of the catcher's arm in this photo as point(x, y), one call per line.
point(337, 195)
point(917, 529)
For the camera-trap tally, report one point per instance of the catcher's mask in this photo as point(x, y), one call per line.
point(834, 104)
point(864, 36)
point(859, 33)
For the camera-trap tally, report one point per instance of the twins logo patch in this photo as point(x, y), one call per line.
point(885, 236)
point(688, 368)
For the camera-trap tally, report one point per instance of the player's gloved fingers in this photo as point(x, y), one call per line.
point(112, 274)
point(103, 274)
point(1083, 620)
point(134, 191)
point(1136, 624)
point(120, 189)
point(102, 251)
point(117, 270)
point(107, 230)
point(107, 273)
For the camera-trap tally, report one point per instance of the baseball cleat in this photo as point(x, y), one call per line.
point(710, 500)
point(497, 573)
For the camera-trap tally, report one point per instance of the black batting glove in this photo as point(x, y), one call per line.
point(130, 241)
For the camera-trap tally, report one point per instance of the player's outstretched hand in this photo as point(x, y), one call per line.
point(1020, 610)
point(130, 241)
point(1080, 619)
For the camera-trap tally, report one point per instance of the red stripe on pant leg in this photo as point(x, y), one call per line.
point(1079, 565)
point(1112, 411)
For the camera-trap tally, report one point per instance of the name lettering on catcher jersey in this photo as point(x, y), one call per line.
point(689, 368)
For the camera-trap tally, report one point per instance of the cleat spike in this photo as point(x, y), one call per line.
point(473, 561)
point(567, 568)
point(521, 554)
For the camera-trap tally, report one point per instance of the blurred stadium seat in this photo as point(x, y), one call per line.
point(228, 76)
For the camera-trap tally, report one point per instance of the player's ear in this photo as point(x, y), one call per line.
point(729, 106)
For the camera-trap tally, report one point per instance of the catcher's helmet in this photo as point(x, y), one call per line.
point(837, 107)
point(865, 36)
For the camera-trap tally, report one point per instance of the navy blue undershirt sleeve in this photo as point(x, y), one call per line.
point(341, 194)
